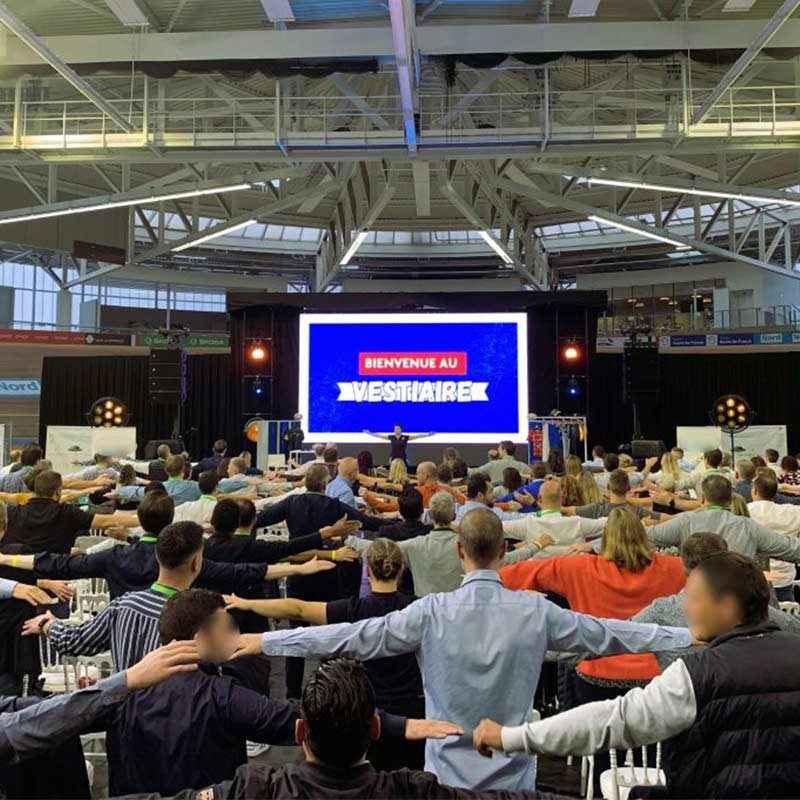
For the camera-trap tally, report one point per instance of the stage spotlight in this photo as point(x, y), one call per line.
point(571, 352)
point(258, 387)
point(108, 412)
point(573, 388)
point(251, 429)
point(732, 413)
point(257, 352)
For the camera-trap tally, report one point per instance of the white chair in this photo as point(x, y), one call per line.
point(616, 783)
point(790, 607)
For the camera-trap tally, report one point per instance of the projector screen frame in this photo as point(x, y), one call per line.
point(520, 319)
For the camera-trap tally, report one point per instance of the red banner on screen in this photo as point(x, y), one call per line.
point(412, 363)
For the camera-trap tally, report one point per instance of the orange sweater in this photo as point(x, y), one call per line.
point(598, 587)
point(426, 491)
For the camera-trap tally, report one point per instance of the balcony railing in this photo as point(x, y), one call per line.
point(768, 318)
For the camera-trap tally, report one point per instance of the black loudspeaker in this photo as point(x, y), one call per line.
point(150, 454)
point(641, 370)
point(167, 381)
point(647, 448)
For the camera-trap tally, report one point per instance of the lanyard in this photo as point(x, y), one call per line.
point(149, 539)
point(167, 591)
point(548, 511)
point(716, 508)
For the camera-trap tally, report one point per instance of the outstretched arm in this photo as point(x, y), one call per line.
point(376, 435)
point(290, 608)
point(420, 435)
point(661, 710)
point(570, 632)
point(31, 729)
point(396, 633)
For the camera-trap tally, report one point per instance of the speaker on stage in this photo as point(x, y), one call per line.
point(640, 369)
point(647, 448)
point(167, 381)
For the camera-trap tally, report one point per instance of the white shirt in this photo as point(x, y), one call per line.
point(565, 530)
point(7, 468)
point(781, 519)
point(198, 511)
point(662, 709)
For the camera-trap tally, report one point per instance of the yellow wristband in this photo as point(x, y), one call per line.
point(15, 561)
point(333, 555)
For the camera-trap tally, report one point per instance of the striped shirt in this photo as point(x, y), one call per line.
point(128, 626)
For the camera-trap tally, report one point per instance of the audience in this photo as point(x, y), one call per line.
point(341, 487)
point(397, 681)
point(505, 458)
point(563, 530)
point(450, 623)
point(211, 462)
point(729, 711)
point(463, 684)
point(669, 610)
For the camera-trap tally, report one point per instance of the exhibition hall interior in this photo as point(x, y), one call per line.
point(398, 397)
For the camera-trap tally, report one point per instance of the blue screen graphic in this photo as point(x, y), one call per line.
point(484, 399)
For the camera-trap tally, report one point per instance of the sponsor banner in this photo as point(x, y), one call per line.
point(727, 339)
point(108, 338)
point(730, 339)
point(610, 344)
point(63, 337)
point(20, 387)
point(41, 337)
point(216, 340)
point(698, 340)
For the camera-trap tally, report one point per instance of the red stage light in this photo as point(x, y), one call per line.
point(571, 353)
point(257, 352)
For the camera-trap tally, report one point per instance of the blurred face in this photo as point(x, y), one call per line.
point(397, 430)
point(231, 470)
point(218, 638)
point(708, 616)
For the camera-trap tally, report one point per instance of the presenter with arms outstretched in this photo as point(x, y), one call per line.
point(399, 441)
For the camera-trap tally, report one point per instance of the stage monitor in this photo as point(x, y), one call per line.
point(463, 377)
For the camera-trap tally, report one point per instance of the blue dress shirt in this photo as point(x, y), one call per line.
point(341, 489)
point(7, 588)
point(480, 651)
point(179, 490)
point(235, 484)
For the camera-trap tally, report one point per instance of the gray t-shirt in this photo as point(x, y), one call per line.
point(598, 510)
point(669, 611)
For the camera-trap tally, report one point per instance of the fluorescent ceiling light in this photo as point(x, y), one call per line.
point(354, 245)
point(630, 229)
point(496, 246)
point(660, 187)
point(583, 8)
point(278, 10)
point(214, 234)
point(153, 198)
point(738, 5)
point(128, 12)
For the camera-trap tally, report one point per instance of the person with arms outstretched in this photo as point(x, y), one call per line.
point(398, 441)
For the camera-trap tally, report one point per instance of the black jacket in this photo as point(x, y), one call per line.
point(304, 513)
point(306, 780)
point(746, 737)
point(132, 568)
